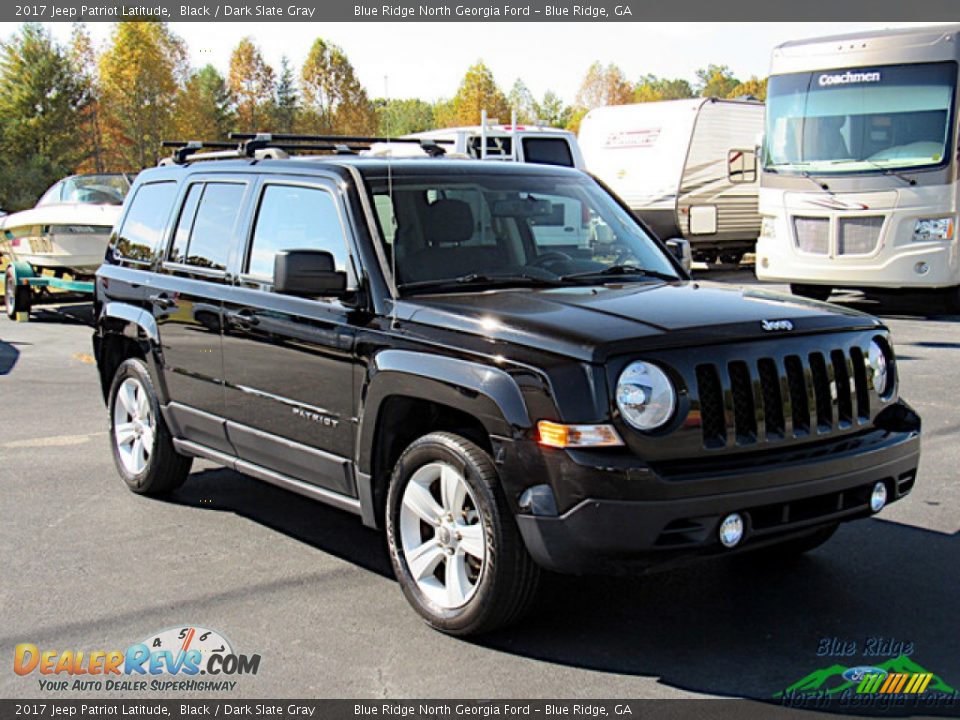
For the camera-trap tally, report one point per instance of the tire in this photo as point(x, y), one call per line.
point(461, 583)
point(733, 257)
point(951, 301)
point(796, 547)
point(705, 256)
point(16, 297)
point(814, 292)
point(142, 446)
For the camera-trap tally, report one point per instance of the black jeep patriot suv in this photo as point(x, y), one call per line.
point(495, 362)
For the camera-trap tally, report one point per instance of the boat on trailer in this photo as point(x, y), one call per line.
point(69, 228)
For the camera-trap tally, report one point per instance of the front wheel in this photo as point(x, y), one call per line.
point(142, 446)
point(453, 541)
point(814, 292)
point(16, 297)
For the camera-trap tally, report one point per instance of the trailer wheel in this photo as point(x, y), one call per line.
point(16, 297)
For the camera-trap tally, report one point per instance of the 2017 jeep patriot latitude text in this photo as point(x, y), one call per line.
point(419, 343)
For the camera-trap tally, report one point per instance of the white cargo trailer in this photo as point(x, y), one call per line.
point(688, 168)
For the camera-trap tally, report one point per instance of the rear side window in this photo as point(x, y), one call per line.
point(146, 220)
point(204, 239)
point(295, 218)
point(547, 151)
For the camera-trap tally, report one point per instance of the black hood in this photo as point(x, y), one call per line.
point(592, 323)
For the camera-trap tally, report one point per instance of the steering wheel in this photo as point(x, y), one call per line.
point(541, 261)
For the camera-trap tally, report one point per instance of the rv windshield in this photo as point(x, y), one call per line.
point(874, 119)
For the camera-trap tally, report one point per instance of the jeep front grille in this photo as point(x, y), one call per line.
point(779, 398)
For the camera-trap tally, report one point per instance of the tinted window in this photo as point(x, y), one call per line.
point(212, 234)
point(143, 228)
point(547, 151)
point(295, 218)
point(178, 253)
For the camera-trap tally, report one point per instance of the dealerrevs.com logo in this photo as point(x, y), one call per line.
point(170, 660)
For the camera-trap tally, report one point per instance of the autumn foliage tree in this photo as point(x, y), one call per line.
point(334, 101)
point(204, 107)
point(251, 84)
point(140, 75)
point(478, 91)
point(42, 105)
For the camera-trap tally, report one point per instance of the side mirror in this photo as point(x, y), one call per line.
point(308, 273)
point(742, 166)
point(680, 249)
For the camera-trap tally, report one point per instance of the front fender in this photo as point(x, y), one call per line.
point(487, 393)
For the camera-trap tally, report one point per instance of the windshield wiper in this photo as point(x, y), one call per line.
point(893, 173)
point(620, 270)
point(480, 279)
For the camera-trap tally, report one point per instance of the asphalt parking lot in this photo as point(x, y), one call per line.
point(88, 565)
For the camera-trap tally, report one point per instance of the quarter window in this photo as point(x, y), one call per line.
point(146, 221)
point(295, 218)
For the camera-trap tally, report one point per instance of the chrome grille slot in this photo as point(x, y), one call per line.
point(858, 235)
point(841, 376)
point(812, 234)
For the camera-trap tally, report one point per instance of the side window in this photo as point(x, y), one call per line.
point(383, 204)
point(211, 236)
point(146, 221)
point(295, 218)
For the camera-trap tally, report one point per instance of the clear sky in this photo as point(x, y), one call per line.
point(427, 60)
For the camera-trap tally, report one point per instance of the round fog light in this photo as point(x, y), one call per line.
point(921, 268)
point(878, 498)
point(731, 530)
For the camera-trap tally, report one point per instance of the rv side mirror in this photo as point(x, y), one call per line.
point(680, 249)
point(742, 165)
point(308, 273)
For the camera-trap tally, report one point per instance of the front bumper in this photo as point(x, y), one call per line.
point(673, 518)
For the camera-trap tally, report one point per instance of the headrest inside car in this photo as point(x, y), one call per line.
point(448, 222)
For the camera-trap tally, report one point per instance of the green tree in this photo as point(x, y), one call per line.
point(140, 76)
point(552, 111)
point(478, 91)
point(401, 117)
point(287, 99)
point(653, 89)
point(251, 83)
point(204, 107)
point(522, 102)
point(42, 104)
point(334, 101)
point(716, 81)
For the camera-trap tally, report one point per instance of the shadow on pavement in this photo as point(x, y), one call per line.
point(64, 313)
point(734, 627)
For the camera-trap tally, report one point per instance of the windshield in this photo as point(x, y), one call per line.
point(860, 119)
point(88, 189)
point(518, 229)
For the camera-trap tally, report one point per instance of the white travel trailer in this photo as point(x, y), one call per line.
point(859, 179)
point(688, 168)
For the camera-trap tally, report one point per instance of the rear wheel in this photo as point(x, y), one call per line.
point(142, 446)
point(733, 257)
point(814, 292)
point(16, 297)
point(453, 542)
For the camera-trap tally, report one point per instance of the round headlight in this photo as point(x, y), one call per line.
point(880, 367)
point(645, 396)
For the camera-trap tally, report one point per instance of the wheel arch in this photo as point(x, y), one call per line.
point(125, 331)
point(410, 394)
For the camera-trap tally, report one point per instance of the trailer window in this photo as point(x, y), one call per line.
point(547, 151)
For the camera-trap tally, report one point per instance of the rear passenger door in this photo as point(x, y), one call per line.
point(289, 360)
point(188, 304)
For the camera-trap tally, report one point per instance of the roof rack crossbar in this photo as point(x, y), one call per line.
point(350, 139)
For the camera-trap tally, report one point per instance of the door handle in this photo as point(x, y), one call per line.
point(162, 301)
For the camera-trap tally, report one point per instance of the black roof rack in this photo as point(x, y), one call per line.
point(278, 145)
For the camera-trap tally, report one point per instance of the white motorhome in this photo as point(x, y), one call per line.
point(685, 167)
point(859, 178)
